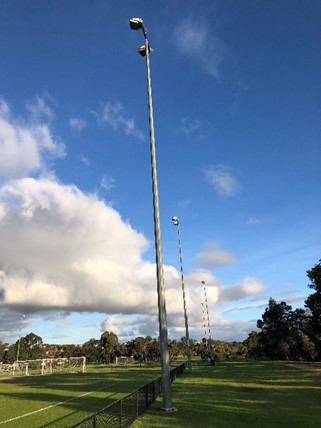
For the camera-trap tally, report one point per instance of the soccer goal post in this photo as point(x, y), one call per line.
point(51, 365)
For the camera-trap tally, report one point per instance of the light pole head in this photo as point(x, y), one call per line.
point(136, 23)
point(175, 221)
point(142, 50)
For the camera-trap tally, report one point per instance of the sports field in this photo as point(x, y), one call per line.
point(242, 394)
point(60, 400)
point(231, 394)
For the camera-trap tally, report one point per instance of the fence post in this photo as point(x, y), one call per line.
point(137, 409)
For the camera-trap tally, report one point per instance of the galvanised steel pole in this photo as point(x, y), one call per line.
point(163, 334)
point(210, 345)
point(18, 350)
point(188, 348)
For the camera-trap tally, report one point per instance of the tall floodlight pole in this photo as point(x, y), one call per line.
point(204, 324)
point(137, 24)
point(208, 323)
point(210, 345)
point(176, 222)
point(18, 350)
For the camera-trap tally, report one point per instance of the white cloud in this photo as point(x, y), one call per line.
point(107, 182)
point(25, 148)
point(248, 287)
point(68, 251)
point(231, 331)
point(39, 109)
point(115, 324)
point(113, 116)
point(85, 160)
point(91, 253)
point(130, 326)
point(213, 256)
point(254, 220)
point(194, 40)
point(222, 179)
point(77, 124)
point(191, 127)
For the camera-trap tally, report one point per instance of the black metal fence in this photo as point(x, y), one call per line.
point(122, 413)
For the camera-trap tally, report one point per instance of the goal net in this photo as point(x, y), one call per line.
point(50, 365)
point(124, 360)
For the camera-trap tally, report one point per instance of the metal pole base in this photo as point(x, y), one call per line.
point(169, 409)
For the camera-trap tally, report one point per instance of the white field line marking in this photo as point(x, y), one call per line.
point(58, 404)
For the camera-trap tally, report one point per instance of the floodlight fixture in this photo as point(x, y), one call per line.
point(136, 23)
point(175, 221)
point(142, 50)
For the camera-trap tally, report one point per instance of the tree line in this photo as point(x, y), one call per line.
point(283, 333)
point(106, 349)
point(287, 334)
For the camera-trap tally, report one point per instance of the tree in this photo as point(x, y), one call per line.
point(275, 330)
point(138, 348)
point(284, 332)
point(4, 352)
point(253, 345)
point(153, 350)
point(109, 342)
point(174, 349)
point(313, 303)
point(92, 350)
point(30, 347)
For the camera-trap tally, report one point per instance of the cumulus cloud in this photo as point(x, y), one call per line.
point(213, 256)
point(25, 148)
point(226, 330)
point(195, 41)
point(248, 287)
point(127, 327)
point(68, 251)
point(222, 179)
point(92, 261)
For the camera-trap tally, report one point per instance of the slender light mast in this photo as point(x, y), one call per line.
point(209, 343)
point(176, 222)
point(18, 350)
point(137, 24)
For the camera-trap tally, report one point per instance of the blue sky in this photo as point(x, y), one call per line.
point(237, 109)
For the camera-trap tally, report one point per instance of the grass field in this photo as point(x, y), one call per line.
point(60, 400)
point(232, 394)
point(239, 394)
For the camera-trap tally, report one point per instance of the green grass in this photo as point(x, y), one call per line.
point(241, 394)
point(60, 400)
point(232, 394)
